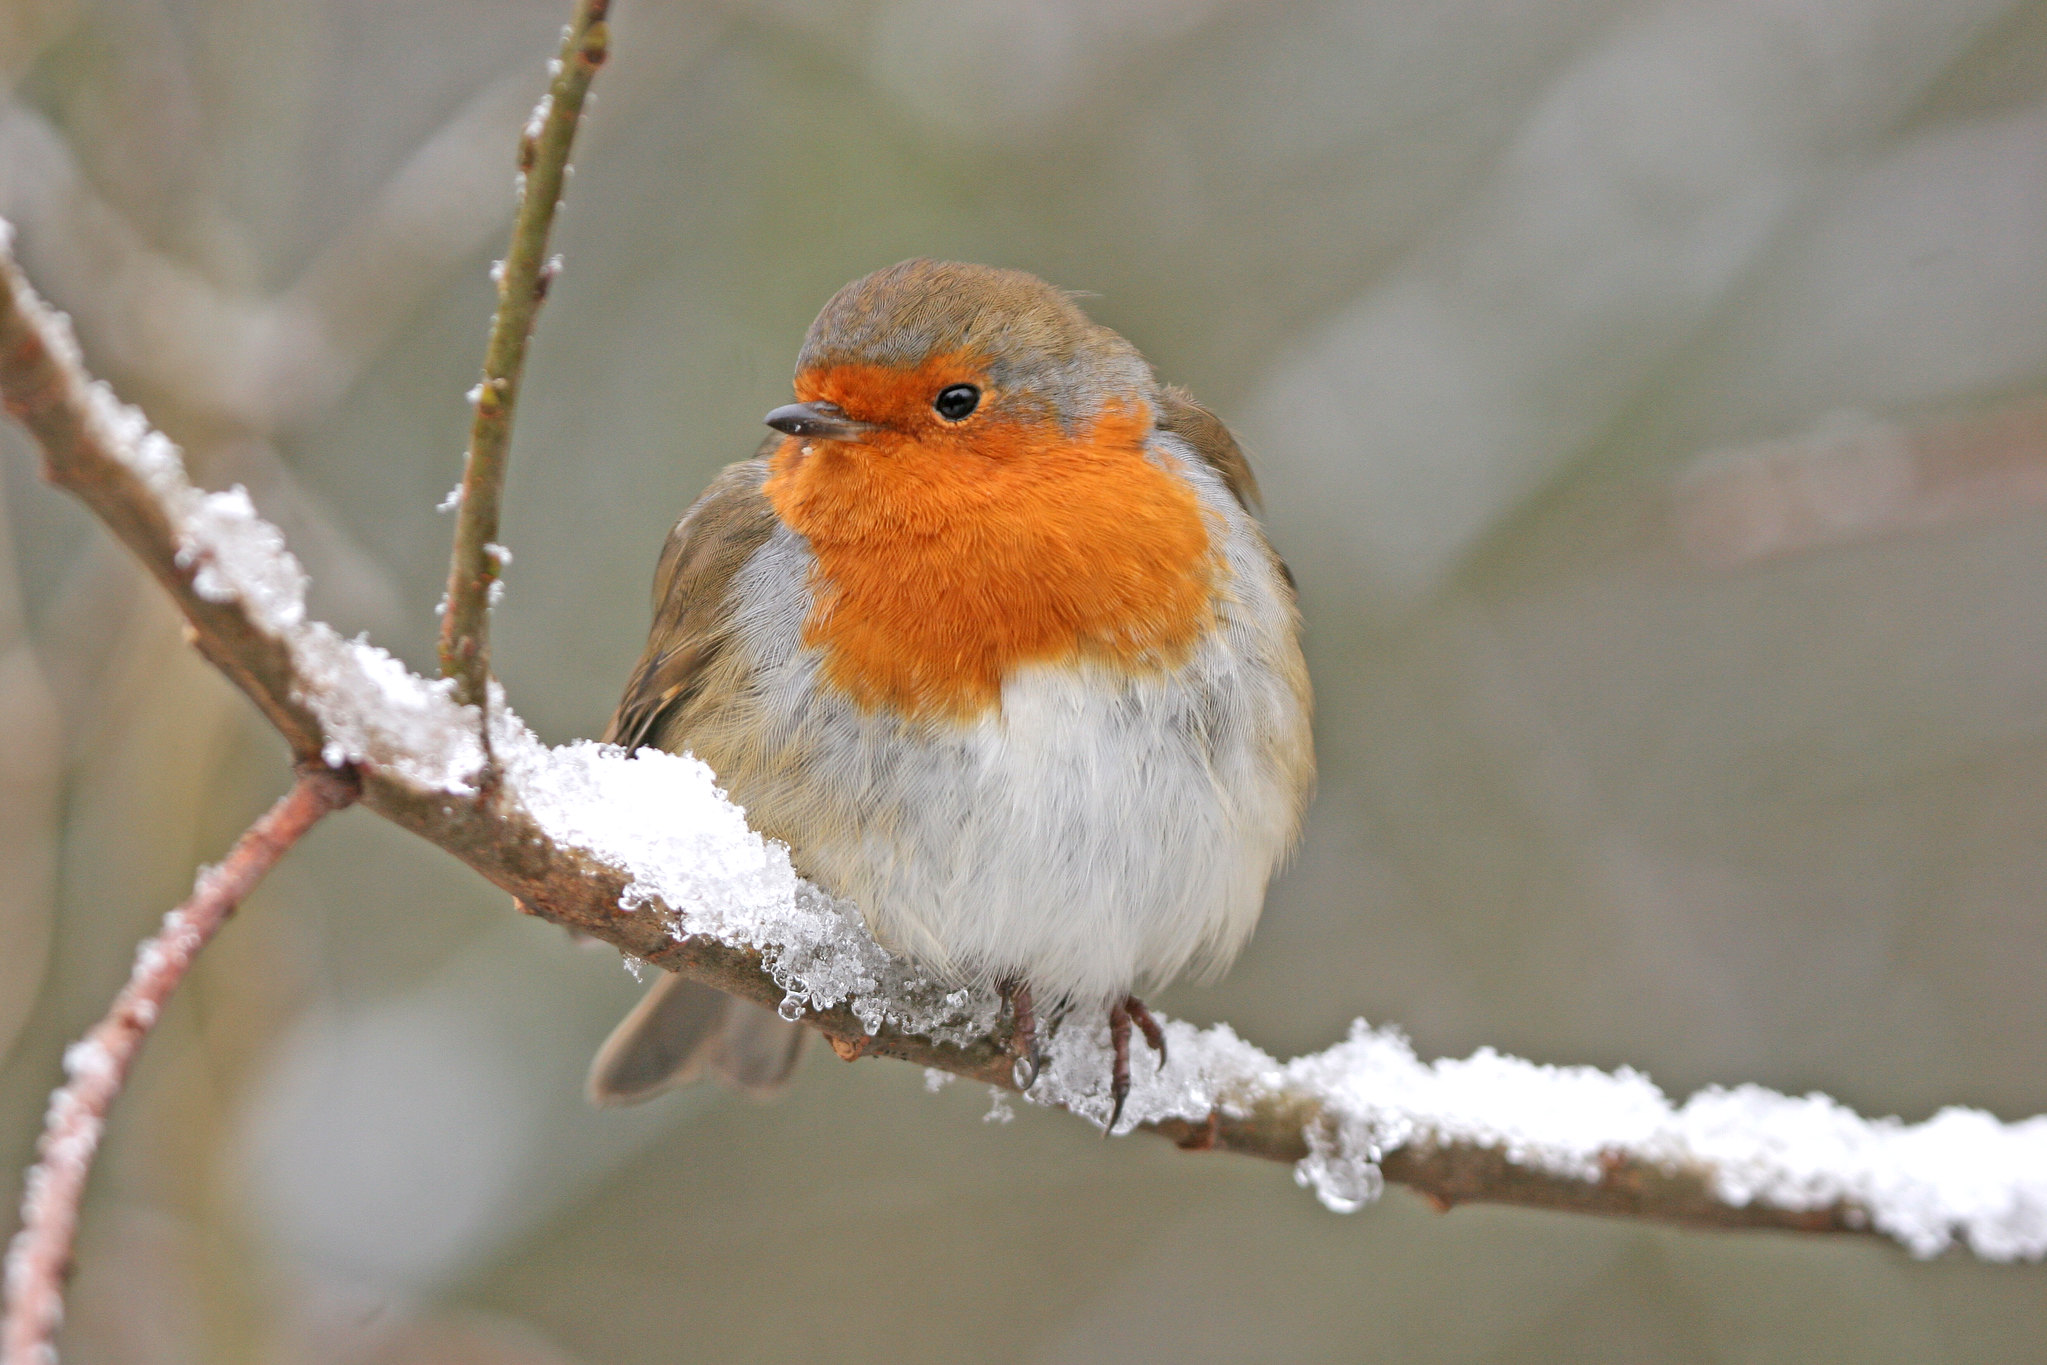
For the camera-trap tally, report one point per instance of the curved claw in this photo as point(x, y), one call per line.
point(1119, 1066)
point(1023, 1032)
point(1148, 1026)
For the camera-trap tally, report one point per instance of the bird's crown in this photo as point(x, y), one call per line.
point(1028, 343)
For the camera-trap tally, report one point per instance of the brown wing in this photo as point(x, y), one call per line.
point(708, 546)
point(683, 1028)
point(1203, 430)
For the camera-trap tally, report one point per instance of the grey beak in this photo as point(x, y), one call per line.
point(822, 420)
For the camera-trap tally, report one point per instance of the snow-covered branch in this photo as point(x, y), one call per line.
point(39, 1256)
point(645, 853)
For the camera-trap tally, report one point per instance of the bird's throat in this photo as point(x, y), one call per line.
point(943, 566)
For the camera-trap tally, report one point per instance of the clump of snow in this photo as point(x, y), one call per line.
point(1203, 1068)
point(536, 122)
point(370, 706)
point(126, 432)
point(662, 818)
point(89, 1062)
point(375, 711)
point(238, 556)
point(1342, 1166)
point(1558, 1119)
point(1960, 1176)
point(500, 559)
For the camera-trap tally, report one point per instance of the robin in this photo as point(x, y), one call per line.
point(988, 634)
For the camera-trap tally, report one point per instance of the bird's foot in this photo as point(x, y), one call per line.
point(1023, 1031)
point(1125, 1012)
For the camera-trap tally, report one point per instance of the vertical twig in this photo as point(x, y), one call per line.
point(39, 1258)
point(522, 277)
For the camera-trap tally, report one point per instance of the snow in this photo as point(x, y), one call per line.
point(536, 122)
point(87, 1061)
point(372, 708)
point(375, 711)
point(241, 557)
point(662, 819)
point(1960, 1176)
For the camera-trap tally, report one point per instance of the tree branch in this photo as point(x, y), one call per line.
point(1851, 478)
point(642, 852)
point(39, 1257)
point(522, 278)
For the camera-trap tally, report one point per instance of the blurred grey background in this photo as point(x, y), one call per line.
point(1651, 399)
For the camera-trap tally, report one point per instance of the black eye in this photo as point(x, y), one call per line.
point(955, 401)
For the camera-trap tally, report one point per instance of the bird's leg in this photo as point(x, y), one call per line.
point(1125, 1012)
point(1023, 1030)
point(1119, 1070)
point(1148, 1026)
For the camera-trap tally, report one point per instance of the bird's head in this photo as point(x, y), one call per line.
point(968, 360)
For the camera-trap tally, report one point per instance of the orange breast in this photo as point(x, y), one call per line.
point(946, 560)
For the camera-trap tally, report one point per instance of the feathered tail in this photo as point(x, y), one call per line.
point(682, 1030)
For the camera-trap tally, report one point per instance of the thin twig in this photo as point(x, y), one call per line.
point(39, 1258)
point(523, 278)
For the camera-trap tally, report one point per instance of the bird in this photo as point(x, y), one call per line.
point(988, 633)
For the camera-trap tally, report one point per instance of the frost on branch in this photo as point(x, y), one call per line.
point(660, 820)
point(1961, 1175)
